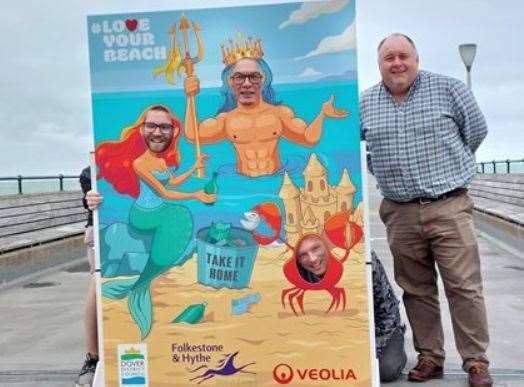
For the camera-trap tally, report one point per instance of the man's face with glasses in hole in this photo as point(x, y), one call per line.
point(246, 81)
point(157, 130)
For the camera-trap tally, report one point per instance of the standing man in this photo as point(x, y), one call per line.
point(87, 373)
point(422, 131)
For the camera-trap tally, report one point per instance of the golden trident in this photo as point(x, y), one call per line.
point(173, 63)
point(189, 63)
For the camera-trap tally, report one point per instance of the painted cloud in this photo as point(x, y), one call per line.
point(310, 72)
point(331, 44)
point(308, 11)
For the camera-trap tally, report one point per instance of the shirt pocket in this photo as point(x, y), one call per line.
point(431, 123)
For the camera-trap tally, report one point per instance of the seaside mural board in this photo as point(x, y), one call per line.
point(231, 236)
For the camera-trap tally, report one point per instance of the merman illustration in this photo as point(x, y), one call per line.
point(251, 117)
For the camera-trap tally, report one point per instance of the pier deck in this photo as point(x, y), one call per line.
point(42, 322)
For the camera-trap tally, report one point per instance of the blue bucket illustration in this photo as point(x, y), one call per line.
point(227, 266)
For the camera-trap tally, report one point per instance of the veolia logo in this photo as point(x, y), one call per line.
point(283, 373)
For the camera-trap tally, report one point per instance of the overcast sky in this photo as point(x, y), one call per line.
point(45, 106)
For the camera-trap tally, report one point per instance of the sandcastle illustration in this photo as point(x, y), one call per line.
point(308, 208)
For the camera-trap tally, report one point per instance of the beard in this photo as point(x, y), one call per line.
point(157, 144)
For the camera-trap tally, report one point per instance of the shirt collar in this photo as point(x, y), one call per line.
point(411, 90)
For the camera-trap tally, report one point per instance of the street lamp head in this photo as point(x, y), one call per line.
point(467, 53)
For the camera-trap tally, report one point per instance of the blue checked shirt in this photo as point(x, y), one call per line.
point(424, 146)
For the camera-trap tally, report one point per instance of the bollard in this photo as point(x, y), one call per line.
point(19, 178)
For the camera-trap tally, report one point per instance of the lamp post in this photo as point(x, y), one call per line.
point(467, 53)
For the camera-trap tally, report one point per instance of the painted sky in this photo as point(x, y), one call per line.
point(300, 43)
point(44, 72)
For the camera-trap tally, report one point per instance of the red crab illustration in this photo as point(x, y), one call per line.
point(338, 230)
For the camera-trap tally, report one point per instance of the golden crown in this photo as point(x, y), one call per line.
point(248, 48)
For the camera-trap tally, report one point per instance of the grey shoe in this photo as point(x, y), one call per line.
point(87, 373)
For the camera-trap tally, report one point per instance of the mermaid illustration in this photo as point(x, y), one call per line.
point(141, 165)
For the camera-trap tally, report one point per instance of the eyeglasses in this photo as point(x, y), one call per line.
point(150, 127)
point(239, 78)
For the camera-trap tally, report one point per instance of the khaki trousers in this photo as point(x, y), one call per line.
point(441, 233)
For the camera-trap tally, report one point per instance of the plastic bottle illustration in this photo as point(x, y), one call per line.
point(192, 314)
point(212, 186)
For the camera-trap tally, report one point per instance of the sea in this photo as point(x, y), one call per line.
point(38, 186)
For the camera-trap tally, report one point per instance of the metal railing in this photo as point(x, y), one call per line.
point(505, 166)
point(20, 179)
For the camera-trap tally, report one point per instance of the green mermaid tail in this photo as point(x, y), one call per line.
point(172, 228)
point(138, 301)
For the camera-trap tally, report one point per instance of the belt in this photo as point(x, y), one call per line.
point(444, 196)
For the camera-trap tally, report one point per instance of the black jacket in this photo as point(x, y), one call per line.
point(85, 183)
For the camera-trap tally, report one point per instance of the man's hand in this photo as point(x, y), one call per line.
point(93, 199)
point(330, 111)
point(192, 86)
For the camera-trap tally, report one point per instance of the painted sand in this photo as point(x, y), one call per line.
point(267, 334)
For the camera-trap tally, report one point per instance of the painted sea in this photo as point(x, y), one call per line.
point(338, 148)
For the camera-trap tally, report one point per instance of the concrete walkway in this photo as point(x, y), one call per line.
point(42, 329)
point(503, 274)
